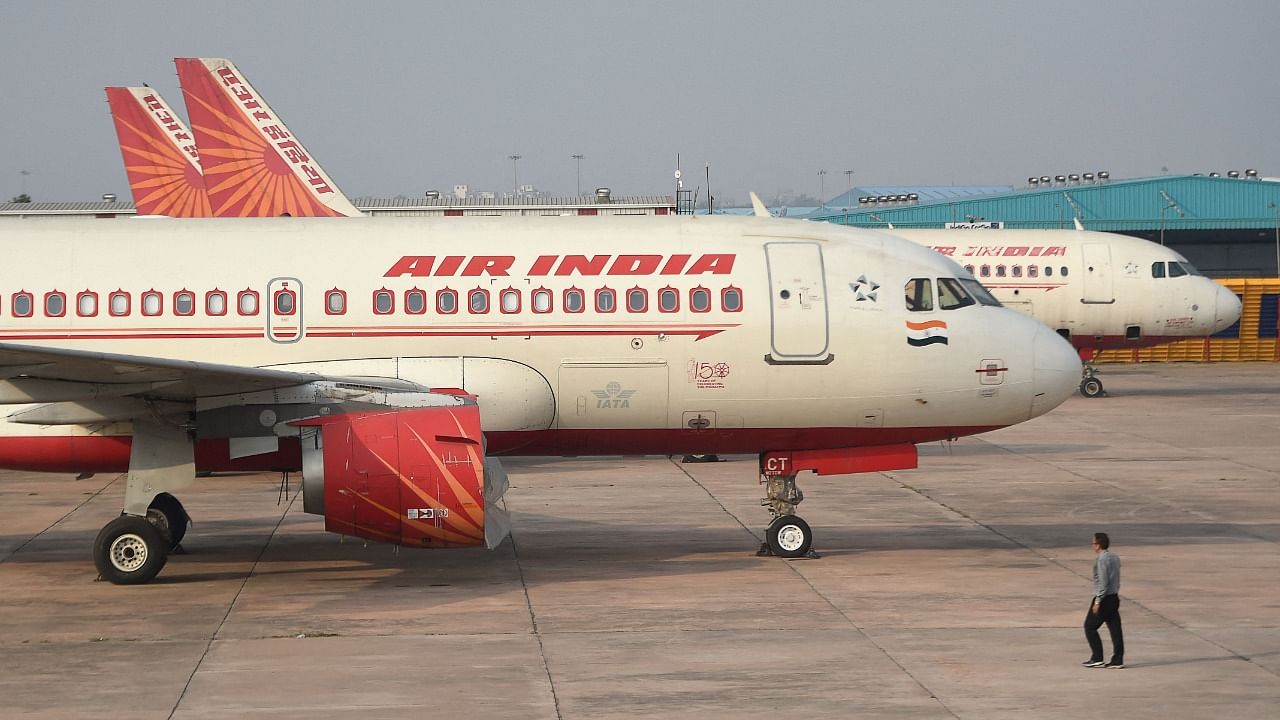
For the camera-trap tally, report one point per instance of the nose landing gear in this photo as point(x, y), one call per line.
point(1090, 385)
point(788, 535)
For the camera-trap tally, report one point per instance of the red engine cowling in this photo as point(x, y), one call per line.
point(404, 476)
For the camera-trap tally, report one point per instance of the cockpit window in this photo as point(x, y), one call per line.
point(1175, 270)
point(983, 295)
point(919, 292)
point(1157, 269)
point(1191, 269)
point(952, 295)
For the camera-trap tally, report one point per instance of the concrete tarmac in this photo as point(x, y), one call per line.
point(630, 587)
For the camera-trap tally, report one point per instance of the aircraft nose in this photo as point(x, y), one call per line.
point(1057, 371)
point(1226, 309)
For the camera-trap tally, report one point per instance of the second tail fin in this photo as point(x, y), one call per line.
point(160, 156)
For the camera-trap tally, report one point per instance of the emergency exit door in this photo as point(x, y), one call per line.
point(798, 309)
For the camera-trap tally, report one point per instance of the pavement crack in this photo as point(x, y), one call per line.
point(533, 621)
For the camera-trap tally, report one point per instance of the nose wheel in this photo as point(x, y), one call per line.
point(1090, 385)
point(788, 535)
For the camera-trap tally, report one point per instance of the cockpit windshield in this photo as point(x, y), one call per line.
point(983, 295)
point(952, 295)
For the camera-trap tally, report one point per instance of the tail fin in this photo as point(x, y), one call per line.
point(253, 165)
point(159, 153)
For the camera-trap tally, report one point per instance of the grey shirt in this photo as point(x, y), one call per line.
point(1106, 574)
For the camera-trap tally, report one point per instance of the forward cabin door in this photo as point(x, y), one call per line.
point(1097, 274)
point(798, 305)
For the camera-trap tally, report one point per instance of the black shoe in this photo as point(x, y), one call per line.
point(1113, 665)
point(1094, 663)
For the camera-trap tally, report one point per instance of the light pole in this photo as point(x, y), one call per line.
point(515, 172)
point(579, 157)
point(24, 174)
point(848, 176)
point(822, 188)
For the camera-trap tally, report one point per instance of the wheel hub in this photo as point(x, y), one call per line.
point(790, 538)
point(128, 553)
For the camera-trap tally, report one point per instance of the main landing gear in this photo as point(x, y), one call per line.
point(132, 549)
point(788, 535)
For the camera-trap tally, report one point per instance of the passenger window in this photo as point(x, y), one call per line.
point(574, 300)
point(247, 302)
point(605, 301)
point(1063, 270)
point(1033, 271)
point(478, 301)
point(969, 268)
point(986, 271)
point(335, 302)
point(637, 300)
point(215, 303)
point(541, 300)
point(118, 304)
point(1175, 270)
point(919, 294)
point(731, 299)
point(87, 304)
point(55, 304)
point(23, 304)
point(152, 303)
point(668, 300)
point(1157, 269)
point(384, 302)
point(1048, 271)
point(447, 301)
point(509, 301)
point(184, 303)
point(1016, 271)
point(415, 301)
point(700, 300)
point(1000, 271)
point(286, 302)
point(952, 295)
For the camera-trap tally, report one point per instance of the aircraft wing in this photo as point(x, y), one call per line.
point(43, 374)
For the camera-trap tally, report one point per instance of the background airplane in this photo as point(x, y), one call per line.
point(1099, 290)
point(393, 377)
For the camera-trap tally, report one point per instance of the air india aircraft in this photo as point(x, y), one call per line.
point(160, 156)
point(1099, 290)
point(392, 361)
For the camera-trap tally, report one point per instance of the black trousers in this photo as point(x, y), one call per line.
point(1109, 613)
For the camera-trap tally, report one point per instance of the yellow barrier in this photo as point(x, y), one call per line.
point(1249, 347)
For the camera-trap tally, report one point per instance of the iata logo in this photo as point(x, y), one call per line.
point(613, 396)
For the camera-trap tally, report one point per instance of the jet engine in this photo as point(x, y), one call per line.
point(408, 476)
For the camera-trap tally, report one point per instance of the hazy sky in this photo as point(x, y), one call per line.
point(395, 98)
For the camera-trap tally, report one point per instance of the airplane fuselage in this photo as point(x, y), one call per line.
point(620, 335)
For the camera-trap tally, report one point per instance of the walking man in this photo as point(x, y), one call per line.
point(1105, 606)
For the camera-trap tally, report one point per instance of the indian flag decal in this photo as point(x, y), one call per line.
point(929, 332)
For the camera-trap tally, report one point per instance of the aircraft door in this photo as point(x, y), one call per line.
point(284, 310)
point(798, 309)
point(1097, 274)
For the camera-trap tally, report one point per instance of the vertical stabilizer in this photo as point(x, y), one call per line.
point(253, 165)
point(159, 152)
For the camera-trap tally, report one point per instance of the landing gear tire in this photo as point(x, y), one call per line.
point(170, 518)
point(129, 551)
point(1091, 387)
point(789, 536)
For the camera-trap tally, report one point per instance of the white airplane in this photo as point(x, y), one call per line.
point(1099, 290)
point(160, 155)
point(391, 363)
point(253, 165)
